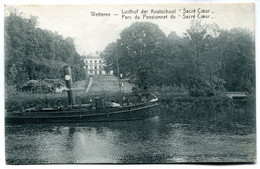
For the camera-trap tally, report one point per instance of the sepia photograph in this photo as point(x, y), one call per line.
point(129, 83)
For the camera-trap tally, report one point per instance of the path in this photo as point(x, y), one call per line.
point(89, 84)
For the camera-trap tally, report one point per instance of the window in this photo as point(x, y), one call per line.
point(95, 67)
point(99, 61)
point(90, 61)
point(95, 61)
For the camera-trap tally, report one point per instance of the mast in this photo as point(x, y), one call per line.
point(118, 72)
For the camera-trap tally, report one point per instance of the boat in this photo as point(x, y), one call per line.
point(99, 110)
point(85, 113)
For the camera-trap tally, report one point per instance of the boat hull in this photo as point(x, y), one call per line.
point(136, 112)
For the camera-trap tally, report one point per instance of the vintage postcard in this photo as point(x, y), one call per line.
point(130, 84)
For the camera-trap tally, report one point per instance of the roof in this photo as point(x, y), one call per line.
point(92, 56)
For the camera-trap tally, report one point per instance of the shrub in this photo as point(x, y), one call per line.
point(42, 86)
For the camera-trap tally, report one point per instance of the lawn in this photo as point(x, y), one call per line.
point(108, 84)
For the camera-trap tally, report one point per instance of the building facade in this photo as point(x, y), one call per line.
point(94, 65)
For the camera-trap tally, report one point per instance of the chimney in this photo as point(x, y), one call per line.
point(68, 80)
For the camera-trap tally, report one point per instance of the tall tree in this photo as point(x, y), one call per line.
point(138, 52)
point(177, 60)
point(109, 56)
point(237, 48)
point(33, 53)
point(206, 60)
point(203, 58)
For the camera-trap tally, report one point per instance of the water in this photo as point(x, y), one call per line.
point(166, 138)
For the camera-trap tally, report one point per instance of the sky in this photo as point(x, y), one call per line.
point(94, 33)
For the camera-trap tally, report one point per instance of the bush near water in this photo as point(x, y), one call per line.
point(43, 86)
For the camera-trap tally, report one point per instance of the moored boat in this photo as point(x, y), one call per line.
point(86, 114)
point(143, 106)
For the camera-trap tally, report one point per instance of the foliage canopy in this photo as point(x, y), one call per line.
point(206, 60)
point(32, 53)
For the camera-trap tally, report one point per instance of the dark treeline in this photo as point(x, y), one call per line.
point(34, 53)
point(206, 60)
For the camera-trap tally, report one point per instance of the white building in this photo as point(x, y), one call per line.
point(94, 65)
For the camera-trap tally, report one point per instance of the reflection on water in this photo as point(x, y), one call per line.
point(162, 139)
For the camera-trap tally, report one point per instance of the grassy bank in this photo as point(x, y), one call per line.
point(16, 100)
point(108, 84)
point(105, 86)
point(174, 100)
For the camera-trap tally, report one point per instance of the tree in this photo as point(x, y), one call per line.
point(12, 74)
point(206, 60)
point(32, 53)
point(203, 60)
point(237, 48)
point(109, 56)
point(177, 61)
point(139, 53)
